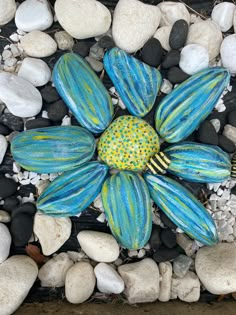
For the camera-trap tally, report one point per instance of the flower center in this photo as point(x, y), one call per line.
point(128, 144)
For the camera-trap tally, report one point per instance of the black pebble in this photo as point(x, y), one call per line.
point(21, 229)
point(171, 59)
point(233, 190)
point(81, 48)
point(57, 111)
point(165, 254)
point(226, 144)
point(25, 190)
point(10, 203)
point(207, 133)
point(178, 34)
point(26, 208)
point(7, 165)
point(8, 187)
point(166, 221)
point(168, 238)
point(232, 118)
point(176, 75)
point(4, 130)
point(155, 241)
point(14, 123)
point(152, 52)
point(49, 94)
point(74, 121)
point(106, 42)
point(37, 123)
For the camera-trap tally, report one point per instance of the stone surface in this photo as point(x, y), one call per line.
point(172, 12)
point(168, 238)
point(185, 243)
point(10, 203)
point(187, 289)
point(38, 44)
point(152, 52)
point(181, 265)
point(33, 15)
point(171, 59)
point(208, 35)
point(7, 11)
point(8, 187)
point(49, 94)
point(232, 118)
point(4, 130)
point(51, 232)
point(80, 282)
point(17, 276)
point(106, 42)
point(223, 14)
point(21, 229)
point(216, 268)
point(53, 273)
point(176, 75)
point(155, 240)
point(178, 34)
point(166, 221)
point(163, 34)
point(14, 123)
point(4, 216)
point(35, 71)
point(226, 144)
point(99, 246)
point(230, 133)
point(64, 40)
point(193, 58)
point(95, 64)
point(141, 281)
point(216, 124)
point(83, 19)
point(57, 110)
point(207, 133)
point(108, 280)
point(37, 123)
point(3, 147)
point(20, 96)
point(227, 53)
point(165, 269)
point(165, 254)
point(81, 48)
point(5, 243)
point(27, 208)
point(134, 23)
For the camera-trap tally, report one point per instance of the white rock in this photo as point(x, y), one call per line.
point(4, 216)
point(141, 281)
point(51, 232)
point(223, 14)
point(163, 34)
point(108, 280)
point(216, 268)
point(187, 289)
point(166, 86)
point(33, 15)
point(42, 185)
point(134, 23)
point(14, 37)
point(7, 11)
point(208, 35)
point(216, 124)
point(227, 53)
point(20, 96)
point(165, 269)
point(3, 147)
point(83, 18)
point(38, 44)
point(35, 71)
point(64, 40)
point(6, 54)
point(53, 273)
point(193, 58)
point(230, 133)
point(80, 282)
point(99, 246)
point(172, 11)
point(5, 243)
point(17, 276)
point(186, 243)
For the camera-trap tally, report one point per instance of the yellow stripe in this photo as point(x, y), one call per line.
point(161, 161)
point(157, 166)
point(165, 157)
point(151, 168)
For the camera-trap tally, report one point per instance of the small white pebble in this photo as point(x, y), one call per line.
point(35, 180)
point(25, 174)
point(141, 253)
point(101, 218)
point(32, 175)
point(166, 86)
point(121, 104)
point(25, 181)
point(44, 114)
point(16, 167)
point(132, 253)
point(20, 32)
point(28, 199)
point(66, 121)
point(44, 176)
point(14, 37)
point(6, 54)
point(52, 176)
point(220, 192)
point(178, 230)
point(115, 101)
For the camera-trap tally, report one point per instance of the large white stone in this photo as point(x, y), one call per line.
point(3, 147)
point(33, 15)
point(193, 58)
point(80, 282)
point(35, 71)
point(163, 34)
point(7, 11)
point(99, 246)
point(20, 96)
point(165, 269)
point(207, 34)
point(223, 14)
point(83, 18)
point(51, 232)
point(108, 280)
point(187, 289)
point(227, 52)
point(134, 23)
point(172, 12)
point(141, 281)
point(5, 243)
point(53, 273)
point(230, 133)
point(216, 268)
point(17, 276)
point(38, 44)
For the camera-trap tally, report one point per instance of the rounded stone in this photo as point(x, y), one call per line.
point(7, 11)
point(64, 40)
point(21, 229)
point(176, 75)
point(37, 123)
point(226, 144)
point(171, 59)
point(8, 187)
point(232, 118)
point(152, 52)
point(57, 111)
point(207, 133)
point(172, 12)
point(223, 14)
point(128, 144)
point(3, 147)
point(178, 34)
point(5, 242)
point(227, 52)
point(163, 35)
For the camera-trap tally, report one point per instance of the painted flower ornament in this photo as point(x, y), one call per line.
point(130, 145)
